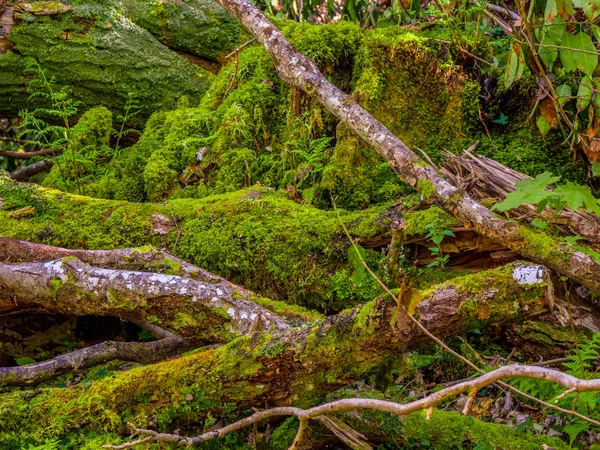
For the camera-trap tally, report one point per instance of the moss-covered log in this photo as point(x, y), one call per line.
point(208, 311)
point(254, 237)
point(298, 365)
point(102, 51)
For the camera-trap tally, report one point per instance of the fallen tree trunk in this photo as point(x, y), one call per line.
point(274, 368)
point(298, 70)
point(215, 312)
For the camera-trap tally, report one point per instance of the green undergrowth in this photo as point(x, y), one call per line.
point(250, 127)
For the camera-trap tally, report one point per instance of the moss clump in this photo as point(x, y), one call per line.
point(202, 28)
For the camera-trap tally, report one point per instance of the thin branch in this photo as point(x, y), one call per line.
point(29, 155)
point(24, 173)
point(142, 352)
point(472, 386)
point(240, 48)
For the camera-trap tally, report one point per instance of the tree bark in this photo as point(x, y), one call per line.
point(299, 71)
point(215, 312)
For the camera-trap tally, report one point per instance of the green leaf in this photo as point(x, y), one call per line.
point(539, 223)
point(572, 240)
point(573, 58)
point(563, 93)
point(552, 35)
point(596, 31)
point(25, 361)
point(584, 93)
point(596, 170)
point(575, 429)
point(551, 11)
point(543, 125)
point(576, 196)
point(529, 191)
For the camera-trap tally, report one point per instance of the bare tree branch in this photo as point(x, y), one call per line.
point(142, 352)
point(472, 386)
point(29, 155)
point(23, 173)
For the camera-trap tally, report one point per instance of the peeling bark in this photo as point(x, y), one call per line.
point(298, 70)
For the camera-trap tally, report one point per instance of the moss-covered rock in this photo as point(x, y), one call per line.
point(103, 57)
point(202, 28)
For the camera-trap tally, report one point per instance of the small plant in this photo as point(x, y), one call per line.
point(538, 191)
point(132, 108)
point(579, 365)
point(437, 236)
point(60, 107)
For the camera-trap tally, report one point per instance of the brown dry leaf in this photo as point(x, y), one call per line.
point(594, 123)
point(411, 299)
point(593, 153)
point(481, 407)
point(548, 111)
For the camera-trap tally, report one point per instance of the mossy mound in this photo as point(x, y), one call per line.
point(250, 127)
point(202, 28)
point(103, 57)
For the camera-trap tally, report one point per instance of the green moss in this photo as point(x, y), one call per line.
point(417, 221)
point(271, 245)
point(201, 28)
point(103, 57)
point(539, 243)
point(426, 188)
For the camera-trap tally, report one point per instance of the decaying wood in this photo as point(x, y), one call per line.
point(483, 178)
point(298, 70)
point(571, 383)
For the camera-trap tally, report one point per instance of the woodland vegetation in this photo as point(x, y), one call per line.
point(288, 225)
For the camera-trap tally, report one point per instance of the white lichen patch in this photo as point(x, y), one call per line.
point(528, 274)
